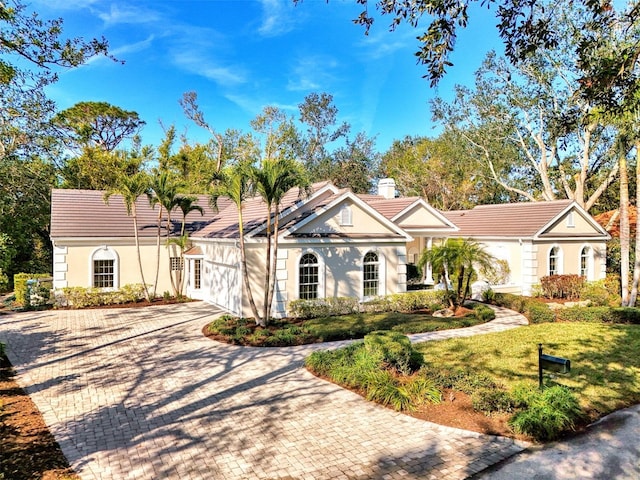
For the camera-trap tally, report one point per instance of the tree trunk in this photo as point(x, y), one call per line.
point(155, 283)
point(267, 272)
point(274, 262)
point(135, 234)
point(636, 265)
point(624, 229)
point(171, 277)
point(245, 272)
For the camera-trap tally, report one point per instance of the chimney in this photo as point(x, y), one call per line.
point(387, 187)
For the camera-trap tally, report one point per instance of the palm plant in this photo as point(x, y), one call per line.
point(274, 178)
point(460, 258)
point(163, 192)
point(234, 182)
point(186, 206)
point(130, 187)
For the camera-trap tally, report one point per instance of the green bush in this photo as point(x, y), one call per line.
point(4, 282)
point(394, 351)
point(483, 313)
point(602, 292)
point(80, 297)
point(26, 298)
point(548, 413)
point(511, 301)
point(323, 307)
point(539, 312)
point(464, 380)
point(623, 315)
point(490, 400)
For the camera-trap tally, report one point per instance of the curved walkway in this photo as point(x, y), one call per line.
point(142, 394)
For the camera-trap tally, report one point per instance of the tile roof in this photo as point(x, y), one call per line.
point(83, 213)
point(509, 220)
point(389, 207)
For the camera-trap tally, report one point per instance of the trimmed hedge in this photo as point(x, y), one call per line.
point(562, 286)
point(622, 315)
point(80, 297)
point(398, 302)
point(535, 310)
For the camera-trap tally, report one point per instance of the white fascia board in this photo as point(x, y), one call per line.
point(329, 187)
point(582, 212)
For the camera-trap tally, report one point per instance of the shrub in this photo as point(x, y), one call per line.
point(483, 313)
point(602, 292)
point(490, 400)
point(511, 301)
point(548, 413)
point(4, 282)
point(539, 312)
point(394, 351)
point(562, 286)
point(323, 307)
point(464, 380)
point(80, 297)
point(624, 315)
point(27, 297)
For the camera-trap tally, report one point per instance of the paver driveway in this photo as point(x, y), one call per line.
point(142, 394)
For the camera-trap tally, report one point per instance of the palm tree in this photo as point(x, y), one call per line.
point(163, 192)
point(130, 187)
point(186, 205)
point(273, 180)
point(460, 258)
point(234, 182)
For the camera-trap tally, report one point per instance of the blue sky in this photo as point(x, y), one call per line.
point(241, 55)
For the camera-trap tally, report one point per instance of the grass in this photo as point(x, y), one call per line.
point(286, 332)
point(605, 364)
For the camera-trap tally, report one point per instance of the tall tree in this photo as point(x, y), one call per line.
point(97, 124)
point(234, 182)
point(130, 188)
point(190, 107)
point(186, 205)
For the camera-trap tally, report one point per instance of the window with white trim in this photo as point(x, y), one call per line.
point(308, 275)
point(371, 274)
point(177, 264)
point(346, 216)
point(570, 220)
point(554, 261)
point(585, 258)
point(197, 273)
point(104, 268)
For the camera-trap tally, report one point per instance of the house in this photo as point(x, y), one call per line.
point(331, 243)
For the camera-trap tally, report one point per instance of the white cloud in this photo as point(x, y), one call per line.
point(199, 63)
point(277, 18)
point(134, 47)
point(127, 14)
point(384, 43)
point(312, 73)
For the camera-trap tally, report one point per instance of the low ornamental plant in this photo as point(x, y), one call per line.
point(562, 286)
point(80, 297)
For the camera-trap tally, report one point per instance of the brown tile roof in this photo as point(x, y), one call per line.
point(389, 207)
point(509, 220)
point(253, 215)
point(83, 213)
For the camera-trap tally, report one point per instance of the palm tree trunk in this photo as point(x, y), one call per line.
point(171, 276)
point(274, 261)
point(155, 283)
point(245, 272)
point(636, 266)
point(267, 274)
point(137, 239)
point(624, 229)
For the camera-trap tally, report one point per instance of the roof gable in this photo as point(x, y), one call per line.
point(421, 216)
point(324, 221)
point(573, 221)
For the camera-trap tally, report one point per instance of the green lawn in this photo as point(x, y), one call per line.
point(605, 359)
point(242, 331)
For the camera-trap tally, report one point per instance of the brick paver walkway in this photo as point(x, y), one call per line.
point(142, 394)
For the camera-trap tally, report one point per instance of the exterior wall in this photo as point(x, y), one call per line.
point(570, 258)
point(73, 263)
point(340, 270)
point(571, 223)
point(420, 216)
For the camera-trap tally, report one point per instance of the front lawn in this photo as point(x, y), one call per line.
point(605, 360)
point(242, 331)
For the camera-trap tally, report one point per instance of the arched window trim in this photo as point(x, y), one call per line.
point(381, 274)
point(559, 270)
point(321, 271)
point(346, 216)
point(106, 253)
point(590, 264)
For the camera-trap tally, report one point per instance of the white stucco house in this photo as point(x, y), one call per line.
point(332, 243)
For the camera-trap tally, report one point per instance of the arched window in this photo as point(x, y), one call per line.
point(554, 261)
point(104, 268)
point(371, 274)
point(308, 277)
point(585, 260)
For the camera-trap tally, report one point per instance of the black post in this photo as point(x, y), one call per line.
point(540, 364)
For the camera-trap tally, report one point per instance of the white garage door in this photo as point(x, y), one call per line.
point(222, 284)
